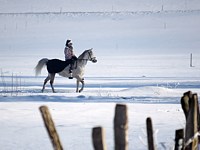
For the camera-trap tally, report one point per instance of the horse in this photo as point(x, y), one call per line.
point(62, 68)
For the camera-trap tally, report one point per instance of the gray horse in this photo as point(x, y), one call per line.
point(62, 68)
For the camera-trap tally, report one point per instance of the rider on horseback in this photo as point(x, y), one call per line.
point(69, 54)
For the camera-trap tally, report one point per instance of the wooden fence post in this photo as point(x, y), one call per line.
point(121, 127)
point(192, 124)
point(150, 138)
point(179, 139)
point(185, 102)
point(49, 124)
point(98, 138)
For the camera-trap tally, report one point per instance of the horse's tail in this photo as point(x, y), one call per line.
point(40, 65)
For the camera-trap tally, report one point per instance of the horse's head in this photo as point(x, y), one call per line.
point(92, 58)
point(89, 55)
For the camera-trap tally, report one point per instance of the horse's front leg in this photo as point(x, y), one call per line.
point(77, 84)
point(83, 85)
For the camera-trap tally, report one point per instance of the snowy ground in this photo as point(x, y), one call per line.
point(143, 52)
point(22, 126)
point(155, 94)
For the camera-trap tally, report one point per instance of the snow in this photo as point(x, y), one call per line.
point(143, 51)
point(119, 33)
point(74, 122)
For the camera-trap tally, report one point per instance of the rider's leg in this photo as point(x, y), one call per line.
point(70, 72)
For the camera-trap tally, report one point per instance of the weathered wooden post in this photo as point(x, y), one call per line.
point(179, 139)
point(98, 138)
point(121, 127)
point(150, 138)
point(185, 102)
point(191, 140)
point(49, 124)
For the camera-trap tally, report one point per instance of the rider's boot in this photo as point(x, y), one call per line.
point(70, 74)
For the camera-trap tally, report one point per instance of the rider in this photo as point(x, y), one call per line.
point(69, 54)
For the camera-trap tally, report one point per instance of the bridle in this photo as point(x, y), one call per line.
point(90, 58)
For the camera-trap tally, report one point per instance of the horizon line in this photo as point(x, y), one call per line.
point(99, 12)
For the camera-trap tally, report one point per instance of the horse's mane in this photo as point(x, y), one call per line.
point(83, 54)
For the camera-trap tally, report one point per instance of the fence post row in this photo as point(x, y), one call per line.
point(49, 124)
point(189, 103)
point(190, 107)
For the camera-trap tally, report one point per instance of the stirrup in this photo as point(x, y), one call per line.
point(70, 77)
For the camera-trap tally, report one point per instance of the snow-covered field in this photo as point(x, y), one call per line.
point(155, 94)
point(143, 58)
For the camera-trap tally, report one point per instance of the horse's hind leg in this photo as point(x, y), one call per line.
point(45, 82)
point(51, 81)
point(77, 86)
